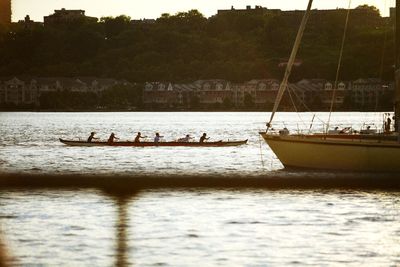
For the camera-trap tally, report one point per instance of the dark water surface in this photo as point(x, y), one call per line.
point(188, 227)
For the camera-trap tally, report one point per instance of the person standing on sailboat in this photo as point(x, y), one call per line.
point(388, 125)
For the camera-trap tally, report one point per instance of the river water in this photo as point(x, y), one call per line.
point(183, 227)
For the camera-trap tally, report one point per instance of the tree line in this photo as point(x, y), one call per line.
point(235, 46)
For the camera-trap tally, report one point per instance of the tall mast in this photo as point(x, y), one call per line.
point(397, 67)
point(397, 34)
point(288, 70)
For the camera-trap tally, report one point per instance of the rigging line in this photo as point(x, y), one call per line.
point(384, 46)
point(291, 99)
point(339, 65)
point(305, 106)
point(397, 69)
point(261, 154)
point(382, 59)
point(294, 105)
point(290, 63)
point(311, 124)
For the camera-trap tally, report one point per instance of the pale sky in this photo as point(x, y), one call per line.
point(139, 9)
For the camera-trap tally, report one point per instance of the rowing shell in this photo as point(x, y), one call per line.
point(143, 144)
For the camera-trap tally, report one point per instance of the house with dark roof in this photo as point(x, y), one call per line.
point(158, 94)
point(318, 93)
point(368, 92)
point(65, 16)
point(214, 91)
point(21, 90)
point(18, 91)
point(263, 92)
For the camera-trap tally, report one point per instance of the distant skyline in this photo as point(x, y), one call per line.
point(152, 9)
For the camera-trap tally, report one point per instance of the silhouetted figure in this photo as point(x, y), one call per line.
point(91, 137)
point(185, 139)
point(388, 125)
point(203, 137)
point(157, 138)
point(111, 138)
point(284, 131)
point(138, 136)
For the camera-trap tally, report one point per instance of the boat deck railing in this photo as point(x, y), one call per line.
point(321, 127)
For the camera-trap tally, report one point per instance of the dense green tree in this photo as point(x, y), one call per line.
point(187, 46)
point(371, 8)
point(114, 26)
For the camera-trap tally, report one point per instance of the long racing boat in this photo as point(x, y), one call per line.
point(145, 144)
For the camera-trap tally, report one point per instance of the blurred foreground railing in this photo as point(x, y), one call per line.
point(274, 180)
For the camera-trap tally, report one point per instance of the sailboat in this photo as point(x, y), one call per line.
point(358, 153)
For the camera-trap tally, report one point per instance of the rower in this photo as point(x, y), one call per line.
point(91, 137)
point(203, 137)
point(185, 139)
point(111, 138)
point(138, 136)
point(157, 138)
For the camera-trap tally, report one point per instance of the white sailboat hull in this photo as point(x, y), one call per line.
point(335, 154)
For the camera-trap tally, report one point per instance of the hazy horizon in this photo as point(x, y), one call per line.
point(152, 9)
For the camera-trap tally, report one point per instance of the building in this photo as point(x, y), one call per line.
point(369, 93)
point(18, 91)
point(318, 93)
point(392, 13)
point(27, 23)
point(168, 95)
point(143, 21)
point(96, 85)
point(337, 95)
point(159, 94)
point(187, 94)
point(257, 10)
point(259, 93)
point(214, 92)
point(304, 95)
point(204, 93)
point(211, 93)
point(27, 90)
point(64, 16)
point(5, 11)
